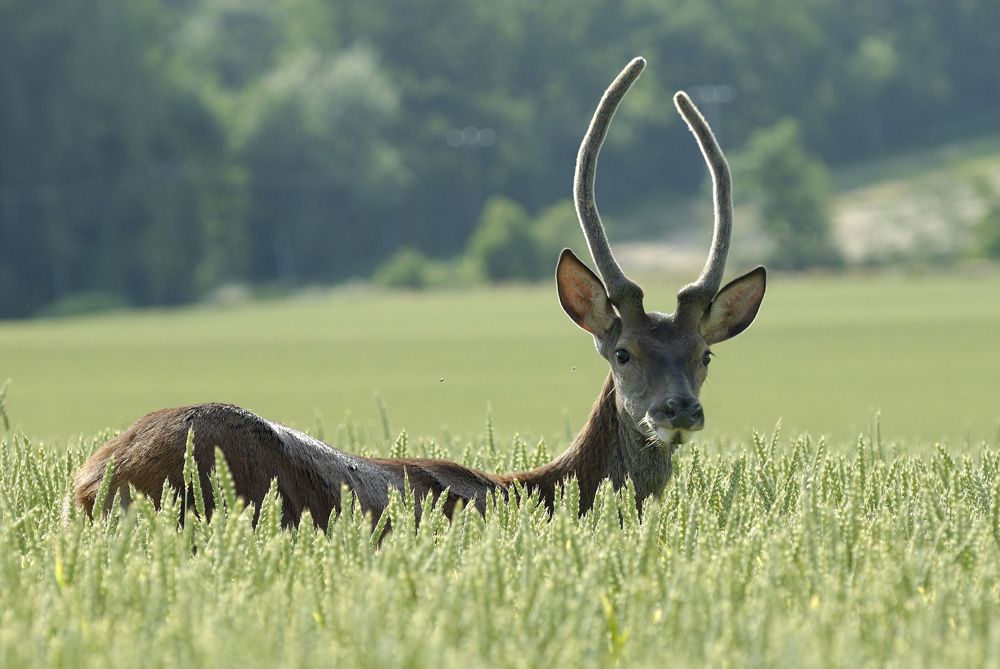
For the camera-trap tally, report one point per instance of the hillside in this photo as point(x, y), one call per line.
point(917, 207)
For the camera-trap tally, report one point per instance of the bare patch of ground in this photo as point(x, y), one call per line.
point(927, 217)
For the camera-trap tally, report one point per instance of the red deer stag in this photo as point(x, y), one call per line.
point(648, 406)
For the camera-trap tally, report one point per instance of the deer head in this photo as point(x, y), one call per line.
point(658, 361)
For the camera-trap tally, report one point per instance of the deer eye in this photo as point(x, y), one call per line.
point(622, 356)
point(707, 358)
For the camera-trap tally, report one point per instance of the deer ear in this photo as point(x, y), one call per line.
point(734, 308)
point(583, 296)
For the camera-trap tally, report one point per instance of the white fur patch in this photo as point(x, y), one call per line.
point(671, 436)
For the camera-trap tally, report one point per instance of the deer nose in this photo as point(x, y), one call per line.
point(684, 413)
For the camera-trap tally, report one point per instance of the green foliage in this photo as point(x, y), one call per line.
point(987, 229)
point(157, 149)
point(408, 268)
point(90, 302)
point(232, 43)
point(502, 243)
point(988, 233)
point(312, 134)
point(109, 168)
point(508, 245)
point(556, 228)
point(779, 553)
point(795, 193)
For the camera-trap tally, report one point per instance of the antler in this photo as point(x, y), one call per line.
point(694, 298)
point(624, 293)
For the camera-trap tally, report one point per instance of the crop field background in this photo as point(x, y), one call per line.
point(824, 356)
point(842, 540)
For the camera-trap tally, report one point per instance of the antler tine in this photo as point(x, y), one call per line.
point(625, 294)
point(697, 296)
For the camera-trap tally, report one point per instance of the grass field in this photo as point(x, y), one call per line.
point(870, 547)
point(780, 553)
point(824, 355)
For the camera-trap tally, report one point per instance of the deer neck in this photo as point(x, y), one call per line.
point(607, 447)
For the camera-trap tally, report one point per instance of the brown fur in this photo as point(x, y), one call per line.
point(310, 473)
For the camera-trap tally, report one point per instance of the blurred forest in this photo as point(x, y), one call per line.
point(152, 151)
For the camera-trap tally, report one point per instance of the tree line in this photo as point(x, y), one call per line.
point(154, 150)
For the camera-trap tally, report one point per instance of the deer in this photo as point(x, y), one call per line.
point(648, 407)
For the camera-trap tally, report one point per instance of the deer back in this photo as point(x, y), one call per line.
point(309, 473)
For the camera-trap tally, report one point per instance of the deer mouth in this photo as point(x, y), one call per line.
point(668, 436)
point(678, 437)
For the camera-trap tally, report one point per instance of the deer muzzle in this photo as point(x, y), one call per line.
point(675, 420)
point(684, 414)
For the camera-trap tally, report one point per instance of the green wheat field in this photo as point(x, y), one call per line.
point(841, 510)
